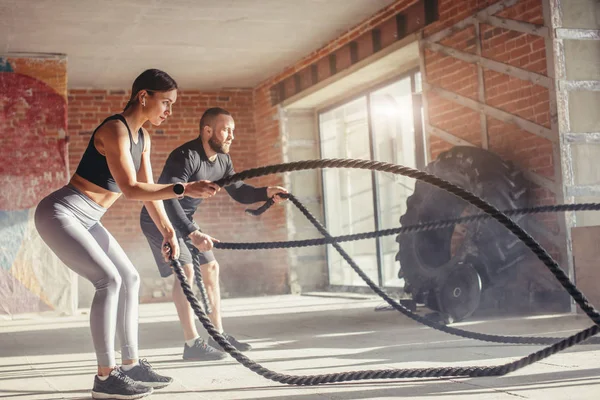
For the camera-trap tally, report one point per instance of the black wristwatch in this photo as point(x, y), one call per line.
point(178, 188)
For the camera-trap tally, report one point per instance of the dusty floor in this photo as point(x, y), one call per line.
point(48, 357)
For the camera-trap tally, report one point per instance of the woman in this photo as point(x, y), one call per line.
point(116, 161)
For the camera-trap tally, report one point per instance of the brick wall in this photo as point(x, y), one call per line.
point(509, 94)
point(258, 141)
point(516, 96)
point(33, 121)
point(522, 98)
point(221, 216)
point(269, 149)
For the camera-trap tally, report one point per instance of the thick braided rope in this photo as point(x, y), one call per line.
point(198, 276)
point(427, 226)
point(365, 374)
point(430, 226)
point(376, 165)
point(381, 374)
point(529, 241)
point(581, 336)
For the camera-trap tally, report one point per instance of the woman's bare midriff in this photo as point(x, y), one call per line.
point(101, 196)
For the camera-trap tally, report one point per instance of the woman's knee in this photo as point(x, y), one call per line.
point(110, 281)
point(131, 280)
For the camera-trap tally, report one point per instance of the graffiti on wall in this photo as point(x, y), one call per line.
point(33, 150)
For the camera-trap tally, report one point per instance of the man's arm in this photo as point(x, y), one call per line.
point(248, 194)
point(242, 192)
point(178, 169)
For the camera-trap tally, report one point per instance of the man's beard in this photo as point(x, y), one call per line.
point(218, 147)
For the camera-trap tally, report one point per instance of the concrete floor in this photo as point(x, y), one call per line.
point(45, 356)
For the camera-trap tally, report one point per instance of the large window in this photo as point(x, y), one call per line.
point(383, 124)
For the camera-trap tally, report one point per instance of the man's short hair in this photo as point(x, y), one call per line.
point(210, 115)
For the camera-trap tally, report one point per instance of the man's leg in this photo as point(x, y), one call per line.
point(195, 347)
point(155, 239)
point(210, 276)
point(186, 315)
point(209, 268)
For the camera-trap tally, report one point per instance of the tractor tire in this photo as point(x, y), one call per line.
point(429, 259)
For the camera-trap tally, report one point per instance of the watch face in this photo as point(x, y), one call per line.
point(178, 188)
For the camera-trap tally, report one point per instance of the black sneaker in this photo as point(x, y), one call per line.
point(201, 351)
point(144, 374)
point(240, 346)
point(119, 386)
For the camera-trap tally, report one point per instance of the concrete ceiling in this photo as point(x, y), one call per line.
point(203, 44)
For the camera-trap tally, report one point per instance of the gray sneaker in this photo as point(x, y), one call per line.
point(240, 346)
point(144, 374)
point(119, 386)
point(200, 351)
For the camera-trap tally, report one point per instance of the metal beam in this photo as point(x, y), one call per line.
point(519, 26)
point(555, 71)
point(583, 190)
point(562, 97)
point(531, 176)
point(481, 89)
point(577, 34)
point(488, 11)
point(424, 101)
point(571, 86)
point(541, 181)
point(503, 116)
point(448, 137)
point(566, 158)
point(502, 68)
point(582, 138)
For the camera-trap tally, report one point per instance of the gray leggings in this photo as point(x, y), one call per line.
point(69, 223)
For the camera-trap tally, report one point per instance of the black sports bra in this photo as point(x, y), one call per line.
point(93, 166)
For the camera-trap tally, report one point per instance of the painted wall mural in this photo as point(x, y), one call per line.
point(33, 150)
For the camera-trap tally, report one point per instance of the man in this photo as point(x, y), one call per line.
point(204, 158)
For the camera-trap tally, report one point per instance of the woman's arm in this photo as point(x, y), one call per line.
point(115, 143)
point(156, 208)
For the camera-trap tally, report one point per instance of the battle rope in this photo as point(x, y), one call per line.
point(425, 321)
point(198, 275)
point(427, 226)
point(530, 242)
point(398, 373)
point(366, 374)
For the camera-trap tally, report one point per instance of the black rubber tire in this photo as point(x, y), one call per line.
point(459, 295)
point(426, 258)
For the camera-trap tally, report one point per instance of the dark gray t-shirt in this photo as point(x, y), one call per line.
point(189, 163)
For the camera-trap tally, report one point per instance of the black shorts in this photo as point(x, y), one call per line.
point(155, 240)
